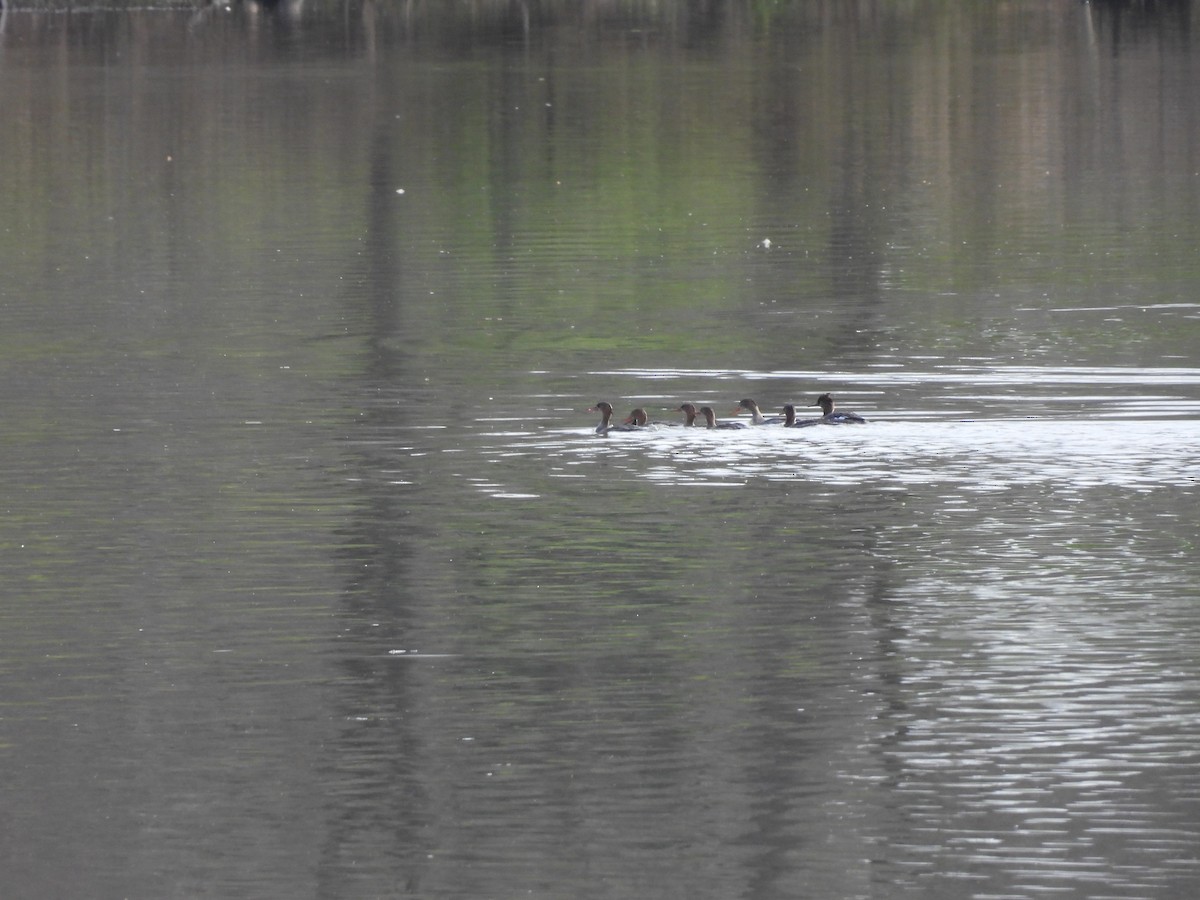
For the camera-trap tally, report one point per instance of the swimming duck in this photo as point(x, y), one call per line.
point(605, 409)
point(756, 416)
point(689, 412)
point(710, 419)
point(636, 421)
point(790, 420)
point(825, 401)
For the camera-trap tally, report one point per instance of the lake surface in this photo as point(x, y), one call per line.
point(319, 582)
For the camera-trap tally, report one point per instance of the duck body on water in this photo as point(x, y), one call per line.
point(756, 416)
point(710, 420)
point(832, 417)
point(639, 420)
point(790, 420)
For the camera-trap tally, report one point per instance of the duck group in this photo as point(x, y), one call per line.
point(639, 419)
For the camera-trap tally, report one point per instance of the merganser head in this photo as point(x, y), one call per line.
point(825, 401)
point(689, 412)
point(710, 417)
point(638, 417)
point(605, 409)
point(748, 405)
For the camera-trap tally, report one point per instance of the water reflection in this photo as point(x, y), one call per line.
point(987, 574)
point(1019, 746)
point(321, 583)
point(1125, 23)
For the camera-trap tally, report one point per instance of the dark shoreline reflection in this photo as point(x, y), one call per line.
point(319, 581)
point(1129, 19)
point(594, 677)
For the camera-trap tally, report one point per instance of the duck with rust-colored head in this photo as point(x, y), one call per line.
point(689, 413)
point(710, 419)
point(636, 421)
point(606, 413)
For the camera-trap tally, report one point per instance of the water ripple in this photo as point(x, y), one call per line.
point(970, 458)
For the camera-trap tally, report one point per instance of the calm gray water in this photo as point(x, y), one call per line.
point(319, 584)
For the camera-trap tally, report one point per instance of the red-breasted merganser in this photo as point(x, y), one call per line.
point(790, 420)
point(756, 416)
point(689, 412)
point(605, 409)
point(710, 419)
point(825, 401)
point(636, 422)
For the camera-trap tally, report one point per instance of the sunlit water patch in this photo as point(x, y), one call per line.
point(1063, 456)
point(971, 429)
point(1044, 733)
